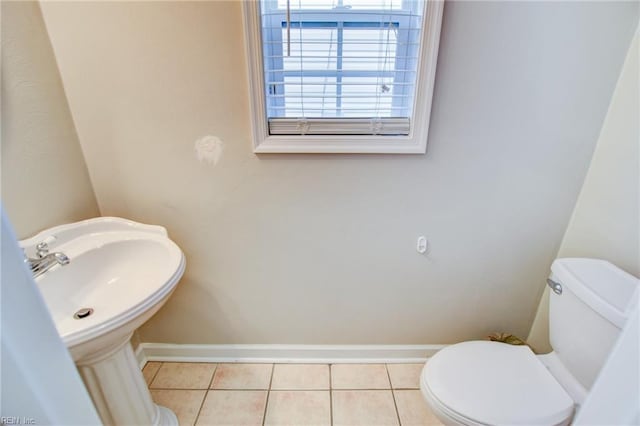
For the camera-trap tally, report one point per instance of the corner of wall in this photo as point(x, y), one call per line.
point(39, 139)
point(609, 233)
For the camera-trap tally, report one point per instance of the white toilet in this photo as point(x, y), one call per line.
point(493, 383)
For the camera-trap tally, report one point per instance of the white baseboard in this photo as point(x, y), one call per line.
point(325, 354)
point(140, 356)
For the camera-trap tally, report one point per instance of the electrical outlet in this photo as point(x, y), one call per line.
point(423, 245)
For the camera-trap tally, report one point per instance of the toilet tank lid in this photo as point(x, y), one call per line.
point(604, 287)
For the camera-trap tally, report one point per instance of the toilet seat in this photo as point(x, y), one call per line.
point(480, 383)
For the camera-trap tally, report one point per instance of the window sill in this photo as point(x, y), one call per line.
point(313, 144)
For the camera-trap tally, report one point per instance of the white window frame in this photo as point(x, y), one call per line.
point(413, 143)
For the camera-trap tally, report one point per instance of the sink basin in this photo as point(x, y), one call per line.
point(120, 273)
point(121, 269)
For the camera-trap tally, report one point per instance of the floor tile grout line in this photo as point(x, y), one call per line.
point(389, 387)
point(234, 389)
point(181, 389)
point(331, 389)
point(206, 393)
point(154, 374)
point(204, 398)
point(330, 397)
point(266, 404)
point(289, 390)
point(393, 395)
point(215, 369)
point(363, 389)
point(300, 390)
point(151, 387)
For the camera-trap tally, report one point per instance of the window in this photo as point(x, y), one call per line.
point(341, 75)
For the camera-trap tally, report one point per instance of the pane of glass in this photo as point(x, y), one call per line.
point(344, 64)
point(331, 4)
point(367, 97)
point(312, 49)
point(310, 97)
point(369, 49)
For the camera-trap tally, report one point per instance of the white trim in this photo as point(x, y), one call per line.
point(414, 143)
point(141, 357)
point(310, 354)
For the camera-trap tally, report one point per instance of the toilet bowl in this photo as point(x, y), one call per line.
point(493, 383)
point(466, 382)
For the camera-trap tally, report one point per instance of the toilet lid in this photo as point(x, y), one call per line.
point(496, 383)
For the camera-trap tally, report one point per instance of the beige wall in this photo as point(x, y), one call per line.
point(605, 222)
point(321, 248)
point(44, 177)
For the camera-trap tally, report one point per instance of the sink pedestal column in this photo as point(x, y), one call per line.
point(119, 390)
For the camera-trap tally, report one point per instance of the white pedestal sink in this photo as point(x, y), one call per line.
point(122, 272)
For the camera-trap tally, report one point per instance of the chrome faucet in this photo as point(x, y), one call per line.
point(45, 260)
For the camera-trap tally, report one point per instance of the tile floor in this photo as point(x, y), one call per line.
point(290, 394)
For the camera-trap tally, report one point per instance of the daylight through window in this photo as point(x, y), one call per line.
point(351, 60)
point(341, 75)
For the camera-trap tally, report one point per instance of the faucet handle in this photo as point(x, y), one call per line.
point(42, 249)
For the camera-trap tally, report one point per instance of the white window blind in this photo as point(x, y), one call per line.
point(340, 67)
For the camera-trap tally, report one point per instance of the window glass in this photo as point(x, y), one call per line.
point(340, 59)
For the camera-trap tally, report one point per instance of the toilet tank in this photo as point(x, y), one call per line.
point(587, 317)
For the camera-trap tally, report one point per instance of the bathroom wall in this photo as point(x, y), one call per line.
point(321, 248)
point(605, 221)
point(44, 176)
